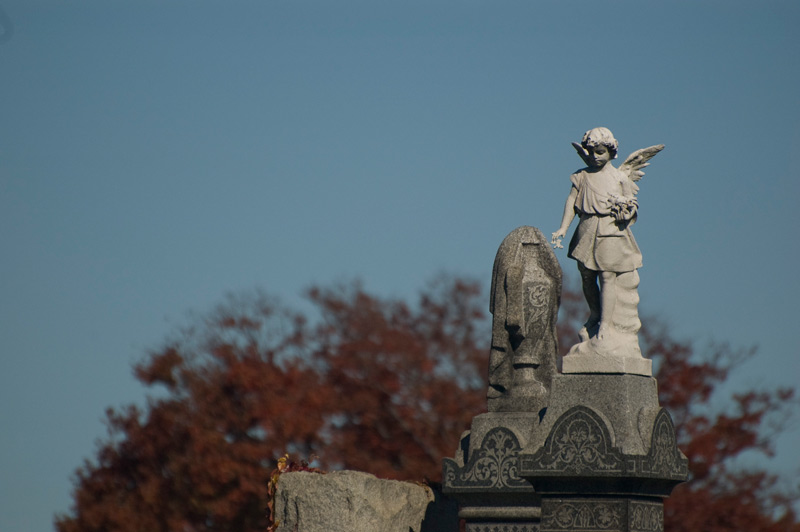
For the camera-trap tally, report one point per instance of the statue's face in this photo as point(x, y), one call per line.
point(599, 156)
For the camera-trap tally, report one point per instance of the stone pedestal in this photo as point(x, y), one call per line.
point(592, 362)
point(618, 350)
point(604, 456)
point(484, 477)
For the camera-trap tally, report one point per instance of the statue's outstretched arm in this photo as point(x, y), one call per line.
point(569, 214)
point(584, 155)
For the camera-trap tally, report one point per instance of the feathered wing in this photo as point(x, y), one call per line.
point(634, 165)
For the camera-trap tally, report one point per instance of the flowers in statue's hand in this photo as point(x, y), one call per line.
point(623, 208)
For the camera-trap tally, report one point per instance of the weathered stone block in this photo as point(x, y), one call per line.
point(347, 501)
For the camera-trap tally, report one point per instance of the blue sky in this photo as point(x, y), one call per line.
point(157, 155)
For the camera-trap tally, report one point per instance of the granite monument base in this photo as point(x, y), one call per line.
point(604, 456)
point(601, 514)
point(483, 475)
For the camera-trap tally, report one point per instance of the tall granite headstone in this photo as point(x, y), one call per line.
point(525, 295)
point(483, 476)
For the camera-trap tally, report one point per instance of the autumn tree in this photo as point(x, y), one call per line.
point(378, 385)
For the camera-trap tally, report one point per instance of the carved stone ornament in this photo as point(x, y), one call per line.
point(579, 443)
point(493, 466)
point(585, 515)
point(580, 446)
point(602, 515)
point(646, 517)
point(664, 460)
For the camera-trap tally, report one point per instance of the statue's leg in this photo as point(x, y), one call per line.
point(591, 291)
point(608, 298)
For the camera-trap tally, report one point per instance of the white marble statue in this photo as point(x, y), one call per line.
point(604, 199)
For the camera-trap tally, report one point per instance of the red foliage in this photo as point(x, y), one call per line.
point(380, 386)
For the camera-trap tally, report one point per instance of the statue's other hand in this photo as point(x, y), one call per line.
point(556, 238)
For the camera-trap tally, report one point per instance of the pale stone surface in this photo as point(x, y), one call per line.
point(347, 501)
point(604, 199)
point(575, 362)
point(526, 291)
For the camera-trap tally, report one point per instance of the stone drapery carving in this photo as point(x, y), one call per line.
point(525, 296)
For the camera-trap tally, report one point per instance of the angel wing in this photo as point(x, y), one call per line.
point(634, 165)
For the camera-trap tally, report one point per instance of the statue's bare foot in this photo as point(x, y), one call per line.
point(603, 331)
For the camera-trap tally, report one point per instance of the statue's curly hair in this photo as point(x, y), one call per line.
point(600, 136)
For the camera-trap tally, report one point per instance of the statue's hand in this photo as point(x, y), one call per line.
point(628, 213)
point(556, 238)
point(632, 212)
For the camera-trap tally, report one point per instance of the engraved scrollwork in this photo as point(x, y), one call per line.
point(663, 445)
point(493, 466)
point(449, 471)
point(584, 516)
point(664, 458)
point(579, 442)
point(646, 518)
point(539, 299)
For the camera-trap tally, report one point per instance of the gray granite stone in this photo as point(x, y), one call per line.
point(486, 463)
point(483, 477)
point(525, 295)
point(588, 514)
point(621, 399)
point(344, 501)
point(604, 457)
point(579, 457)
point(520, 424)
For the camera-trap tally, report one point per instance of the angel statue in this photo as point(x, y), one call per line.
point(604, 198)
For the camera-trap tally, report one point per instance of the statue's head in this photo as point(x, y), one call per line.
point(600, 136)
